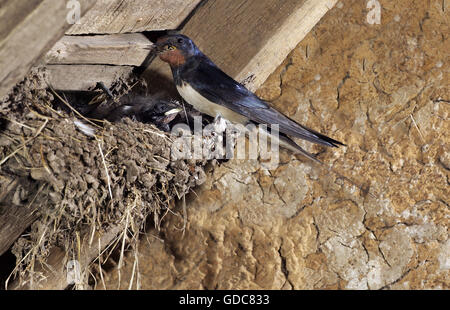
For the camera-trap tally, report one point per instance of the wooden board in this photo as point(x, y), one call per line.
point(27, 30)
point(250, 39)
point(120, 16)
point(113, 49)
point(55, 268)
point(15, 217)
point(84, 77)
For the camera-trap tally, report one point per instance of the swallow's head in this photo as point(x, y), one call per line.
point(175, 49)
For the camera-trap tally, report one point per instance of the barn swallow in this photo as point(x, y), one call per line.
point(211, 91)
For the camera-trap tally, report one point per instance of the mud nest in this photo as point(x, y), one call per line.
point(82, 190)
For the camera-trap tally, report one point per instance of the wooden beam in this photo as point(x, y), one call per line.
point(27, 30)
point(114, 49)
point(16, 217)
point(85, 77)
point(250, 39)
point(55, 268)
point(119, 16)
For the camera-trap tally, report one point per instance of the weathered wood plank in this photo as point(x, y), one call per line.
point(13, 13)
point(85, 77)
point(119, 16)
point(114, 49)
point(249, 39)
point(14, 217)
point(55, 267)
point(27, 32)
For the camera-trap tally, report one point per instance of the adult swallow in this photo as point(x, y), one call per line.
point(211, 91)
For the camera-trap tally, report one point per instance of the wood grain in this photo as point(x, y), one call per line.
point(16, 217)
point(27, 32)
point(85, 77)
point(55, 268)
point(114, 49)
point(120, 16)
point(250, 39)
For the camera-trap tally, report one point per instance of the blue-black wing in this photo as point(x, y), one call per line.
point(218, 87)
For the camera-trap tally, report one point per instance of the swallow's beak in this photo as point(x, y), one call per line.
point(152, 48)
point(155, 48)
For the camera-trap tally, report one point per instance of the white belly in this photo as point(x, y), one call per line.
point(205, 106)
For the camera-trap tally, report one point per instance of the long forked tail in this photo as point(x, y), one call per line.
point(291, 128)
point(322, 139)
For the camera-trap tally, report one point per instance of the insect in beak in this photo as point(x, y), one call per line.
point(153, 48)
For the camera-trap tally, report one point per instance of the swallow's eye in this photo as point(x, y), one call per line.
point(180, 40)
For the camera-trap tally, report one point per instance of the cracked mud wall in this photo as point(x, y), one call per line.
point(384, 91)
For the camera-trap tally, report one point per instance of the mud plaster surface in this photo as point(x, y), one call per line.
point(384, 91)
